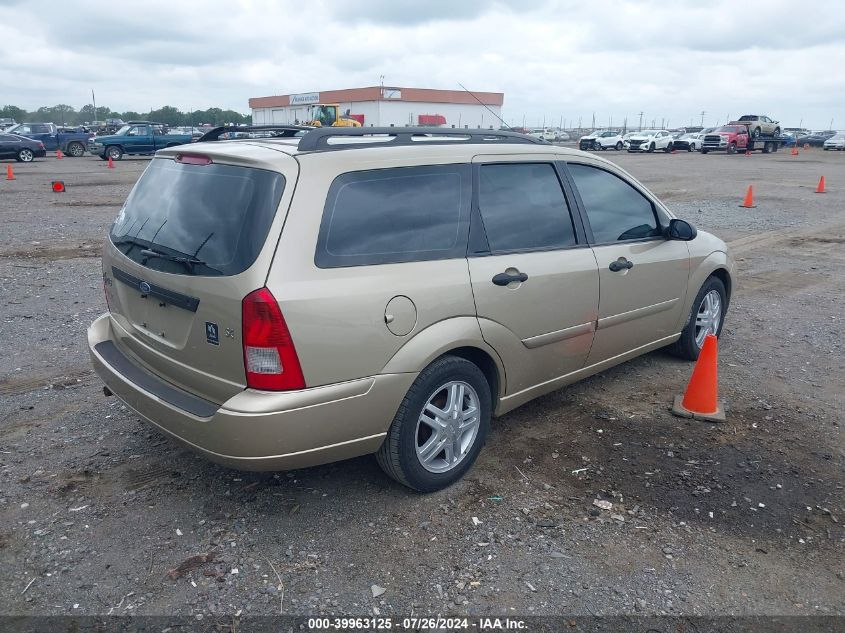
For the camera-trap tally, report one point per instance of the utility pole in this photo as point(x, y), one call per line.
point(702, 118)
point(641, 121)
point(594, 122)
point(94, 103)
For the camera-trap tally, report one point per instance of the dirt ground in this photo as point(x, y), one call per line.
point(744, 517)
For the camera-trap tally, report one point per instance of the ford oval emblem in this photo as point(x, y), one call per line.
point(145, 287)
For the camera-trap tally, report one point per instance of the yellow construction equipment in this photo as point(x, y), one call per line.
point(328, 115)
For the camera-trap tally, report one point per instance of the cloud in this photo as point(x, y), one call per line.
point(553, 60)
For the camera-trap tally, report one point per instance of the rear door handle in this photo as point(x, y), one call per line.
point(503, 279)
point(621, 264)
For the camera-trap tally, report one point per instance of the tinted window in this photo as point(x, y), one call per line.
point(217, 214)
point(523, 207)
point(40, 129)
point(395, 215)
point(615, 209)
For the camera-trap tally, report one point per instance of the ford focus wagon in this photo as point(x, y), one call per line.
point(307, 296)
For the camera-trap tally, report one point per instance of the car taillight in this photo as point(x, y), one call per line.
point(270, 358)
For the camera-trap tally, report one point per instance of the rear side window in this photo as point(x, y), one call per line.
point(616, 211)
point(523, 207)
point(395, 215)
point(198, 219)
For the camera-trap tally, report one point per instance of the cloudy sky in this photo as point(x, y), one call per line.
point(552, 59)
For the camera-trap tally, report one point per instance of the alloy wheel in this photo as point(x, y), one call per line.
point(447, 426)
point(709, 317)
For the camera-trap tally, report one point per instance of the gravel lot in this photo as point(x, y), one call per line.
point(740, 518)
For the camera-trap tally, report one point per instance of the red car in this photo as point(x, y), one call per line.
point(728, 138)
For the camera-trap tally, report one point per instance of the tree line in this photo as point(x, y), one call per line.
point(63, 114)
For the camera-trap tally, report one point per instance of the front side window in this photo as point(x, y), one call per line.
point(523, 208)
point(616, 211)
point(395, 215)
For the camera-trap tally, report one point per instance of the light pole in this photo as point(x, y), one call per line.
point(641, 121)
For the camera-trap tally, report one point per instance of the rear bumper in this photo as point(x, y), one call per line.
point(255, 430)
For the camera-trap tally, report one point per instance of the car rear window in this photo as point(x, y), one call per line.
point(198, 219)
point(394, 215)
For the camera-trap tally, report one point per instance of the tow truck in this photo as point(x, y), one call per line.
point(736, 137)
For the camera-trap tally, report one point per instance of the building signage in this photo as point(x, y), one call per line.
point(304, 98)
point(391, 93)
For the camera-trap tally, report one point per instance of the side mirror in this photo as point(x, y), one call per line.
point(680, 230)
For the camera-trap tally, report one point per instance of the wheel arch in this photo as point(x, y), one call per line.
point(723, 275)
point(459, 336)
point(717, 264)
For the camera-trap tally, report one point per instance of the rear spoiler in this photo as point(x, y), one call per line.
point(264, 131)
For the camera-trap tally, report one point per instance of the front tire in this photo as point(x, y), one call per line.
point(651, 148)
point(75, 149)
point(114, 152)
point(619, 146)
point(731, 148)
point(440, 426)
point(707, 315)
point(25, 155)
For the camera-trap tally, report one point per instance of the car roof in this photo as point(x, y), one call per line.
point(271, 152)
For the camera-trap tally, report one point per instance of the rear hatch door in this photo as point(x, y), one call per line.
point(196, 235)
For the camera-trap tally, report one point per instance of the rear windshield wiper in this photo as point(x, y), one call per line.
point(188, 260)
point(181, 259)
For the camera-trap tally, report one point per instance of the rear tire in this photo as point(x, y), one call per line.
point(687, 346)
point(619, 146)
point(756, 133)
point(668, 148)
point(399, 455)
point(651, 148)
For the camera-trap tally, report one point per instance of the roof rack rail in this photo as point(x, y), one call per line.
point(318, 138)
point(273, 131)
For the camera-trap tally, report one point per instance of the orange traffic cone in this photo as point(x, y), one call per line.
point(794, 151)
point(748, 152)
point(10, 175)
point(748, 203)
point(820, 188)
point(59, 153)
point(701, 399)
point(111, 163)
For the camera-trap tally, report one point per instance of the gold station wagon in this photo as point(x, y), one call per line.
point(306, 296)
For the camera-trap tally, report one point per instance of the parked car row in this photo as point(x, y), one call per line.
point(71, 143)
